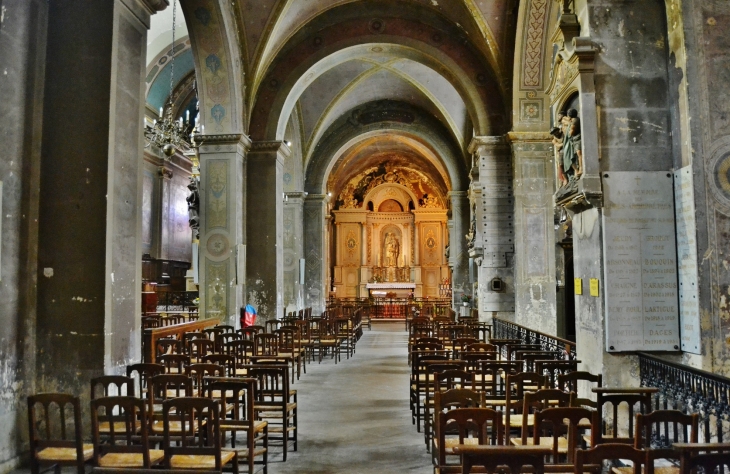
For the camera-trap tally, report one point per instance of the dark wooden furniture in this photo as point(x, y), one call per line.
point(50, 440)
point(150, 336)
point(494, 459)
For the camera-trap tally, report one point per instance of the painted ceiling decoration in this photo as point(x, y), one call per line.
point(317, 73)
point(358, 187)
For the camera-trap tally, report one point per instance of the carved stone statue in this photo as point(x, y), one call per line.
point(571, 149)
point(193, 200)
point(392, 250)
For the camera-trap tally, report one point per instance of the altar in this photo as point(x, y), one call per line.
point(401, 290)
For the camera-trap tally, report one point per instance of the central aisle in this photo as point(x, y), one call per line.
point(354, 416)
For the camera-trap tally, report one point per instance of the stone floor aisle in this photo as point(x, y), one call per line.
point(354, 416)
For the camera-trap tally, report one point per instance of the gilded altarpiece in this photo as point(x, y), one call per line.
point(400, 240)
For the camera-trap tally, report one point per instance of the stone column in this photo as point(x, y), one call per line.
point(293, 250)
point(90, 230)
point(494, 243)
point(265, 230)
point(316, 285)
point(222, 227)
point(163, 213)
point(535, 278)
point(459, 255)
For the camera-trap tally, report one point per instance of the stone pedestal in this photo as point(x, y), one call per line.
point(265, 229)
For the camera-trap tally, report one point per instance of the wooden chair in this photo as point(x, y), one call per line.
point(449, 400)
point(512, 349)
point(112, 385)
point(537, 401)
point(174, 363)
point(501, 345)
point(51, 442)
point(572, 381)
point(491, 377)
point(226, 328)
point(212, 333)
point(501, 459)
point(442, 381)
point(240, 394)
point(162, 388)
point(560, 430)
point(460, 344)
point(125, 441)
point(656, 432)
point(609, 401)
point(516, 386)
point(288, 346)
point(276, 403)
point(553, 368)
point(419, 381)
point(195, 423)
point(707, 458)
point(249, 332)
point(197, 372)
point(241, 351)
point(465, 426)
point(199, 347)
point(142, 373)
point(222, 339)
point(592, 460)
point(168, 345)
point(272, 325)
point(228, 362)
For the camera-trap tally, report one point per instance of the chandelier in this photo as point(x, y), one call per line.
point(168, 134)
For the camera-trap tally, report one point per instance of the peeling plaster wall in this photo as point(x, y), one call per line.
point(22, 52)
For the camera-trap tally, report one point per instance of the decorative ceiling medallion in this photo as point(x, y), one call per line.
point(376, 26)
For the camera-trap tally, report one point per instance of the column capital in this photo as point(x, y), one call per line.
point(456, 195)
point(478, 143)
point(315, 198)
point(514, 137)
point(295, 196)
point(215, 143)
point(154, 6)
point(271, 146)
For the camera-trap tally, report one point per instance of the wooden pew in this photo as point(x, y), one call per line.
point(151, 335)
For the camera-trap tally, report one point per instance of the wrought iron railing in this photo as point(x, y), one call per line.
point(176, 300)
point(690, 390)
point(508, 330)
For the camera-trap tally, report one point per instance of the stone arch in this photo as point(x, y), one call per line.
point(382, 193)
point(453, 59)
point(217, 65)
point(344, 134)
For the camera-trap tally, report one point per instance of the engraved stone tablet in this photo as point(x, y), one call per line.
point(641, 262)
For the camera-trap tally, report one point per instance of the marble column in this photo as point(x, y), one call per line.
point(222, 226)
point(316, 285)
point(459, 255)
point(265, 229)
point(535, 277)
point(293, 250)
point(90, 228)
point(492, 201)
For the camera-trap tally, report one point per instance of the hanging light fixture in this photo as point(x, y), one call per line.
point(168, 134)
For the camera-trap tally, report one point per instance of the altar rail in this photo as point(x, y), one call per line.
point(509, 330)
point(150, 336)
point(690, 390)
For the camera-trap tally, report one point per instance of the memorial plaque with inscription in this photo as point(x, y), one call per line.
point(641, 262)
point(689, 304)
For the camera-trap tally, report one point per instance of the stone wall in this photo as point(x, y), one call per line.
point(22, 54)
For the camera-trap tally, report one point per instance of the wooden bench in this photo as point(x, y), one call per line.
point(151, 335)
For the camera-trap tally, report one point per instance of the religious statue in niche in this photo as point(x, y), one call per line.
point(472, 235)
point(193, 200)
point(567, 142)
point(391, 249)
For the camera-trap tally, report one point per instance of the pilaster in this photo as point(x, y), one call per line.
point(458, 253)
point(535, 281)
point(293, 250)
point(492, 208)
point(222, 227)
point(265, 229)
point(316, 283)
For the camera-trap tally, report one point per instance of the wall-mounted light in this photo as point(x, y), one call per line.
point(329, 194)
point(288, 143)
